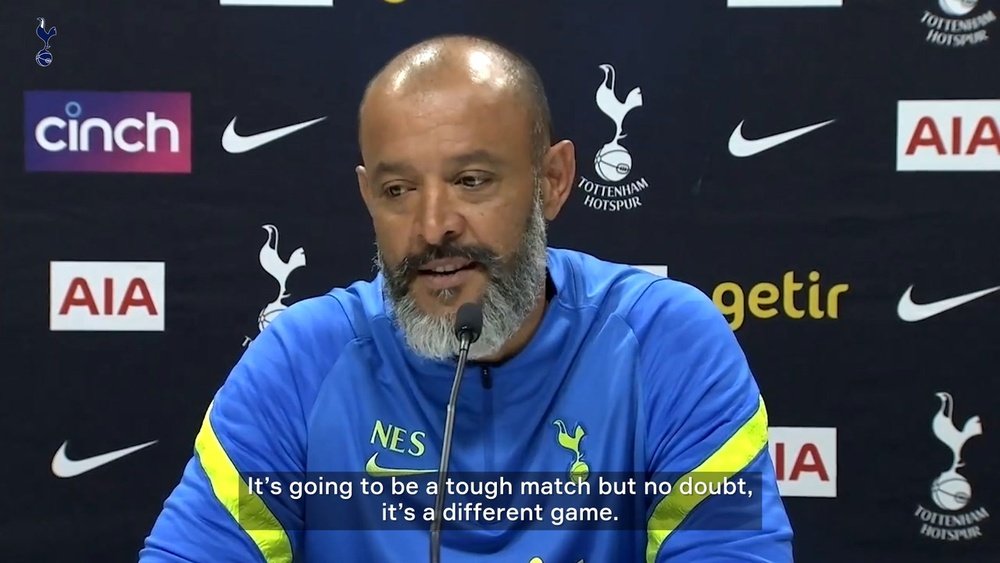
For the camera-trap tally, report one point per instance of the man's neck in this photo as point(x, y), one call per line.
point(523, 336)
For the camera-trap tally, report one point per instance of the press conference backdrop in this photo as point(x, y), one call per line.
point(827, 172)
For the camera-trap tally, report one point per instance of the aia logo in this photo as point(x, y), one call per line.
point(805, 460)
point(948, 135)
point(106, 296)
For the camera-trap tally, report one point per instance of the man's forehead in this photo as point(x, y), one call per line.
point(465, 110)
point(439, 75)
point(446, 96)
point(478, 156)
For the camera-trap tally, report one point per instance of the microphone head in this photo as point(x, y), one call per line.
point(469, 321)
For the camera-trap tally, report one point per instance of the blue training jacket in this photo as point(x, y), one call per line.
point(628, 372)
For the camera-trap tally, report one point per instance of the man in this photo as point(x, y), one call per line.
point(583, 368)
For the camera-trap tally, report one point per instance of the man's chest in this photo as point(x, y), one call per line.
point(517, 445)
point(581, 417)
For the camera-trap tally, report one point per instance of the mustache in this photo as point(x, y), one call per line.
point(409, 266)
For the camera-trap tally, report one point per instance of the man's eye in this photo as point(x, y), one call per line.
point(394, 190)
point(472, 181)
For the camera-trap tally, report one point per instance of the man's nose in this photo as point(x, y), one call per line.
point(438, 217)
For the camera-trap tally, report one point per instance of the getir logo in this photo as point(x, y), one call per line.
point(107, 131)
point(805, 460)
point(791, 299)
point(107, 296)
point(948, 135)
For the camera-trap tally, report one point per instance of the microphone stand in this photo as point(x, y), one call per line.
point(469, 316)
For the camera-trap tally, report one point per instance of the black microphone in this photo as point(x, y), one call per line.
point(468, 326)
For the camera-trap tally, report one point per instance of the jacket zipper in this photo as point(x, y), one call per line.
point(488, 426)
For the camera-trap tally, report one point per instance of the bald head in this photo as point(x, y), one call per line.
point(461, 59)
point(460, 178)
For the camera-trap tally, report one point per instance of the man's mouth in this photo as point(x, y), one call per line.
point(446, 273)
point(446, 266)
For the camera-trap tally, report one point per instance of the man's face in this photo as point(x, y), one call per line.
point(450, 184)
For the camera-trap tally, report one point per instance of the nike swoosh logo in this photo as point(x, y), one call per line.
point(64, 467)
point(375, 470)
point(740, 146)
point(912, 312)
point(235, 143)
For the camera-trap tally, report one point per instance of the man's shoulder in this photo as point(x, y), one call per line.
point(328, 321)
point(636, 293)
point(671, 298)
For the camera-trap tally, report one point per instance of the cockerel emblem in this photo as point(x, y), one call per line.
point(578, 468)
point(279, 269)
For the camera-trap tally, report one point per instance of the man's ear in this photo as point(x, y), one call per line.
point(363, 187)
point(558, 176)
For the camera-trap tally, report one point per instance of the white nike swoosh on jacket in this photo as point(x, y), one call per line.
point(740, 146)
point(912, 312)
point(235, 143)
point(64, 467)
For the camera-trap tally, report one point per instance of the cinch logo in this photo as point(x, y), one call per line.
point(767, 300)
point(805, 460)
point(106, 296)
point(107, 131)
point(948, 135)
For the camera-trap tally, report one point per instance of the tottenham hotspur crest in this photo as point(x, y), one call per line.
point(958, 23)
point(951, 491)
point(279, 269)
point(44, 57)
point(615, 188)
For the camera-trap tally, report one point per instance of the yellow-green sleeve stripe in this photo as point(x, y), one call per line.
point(247, 509)
point(731, 458)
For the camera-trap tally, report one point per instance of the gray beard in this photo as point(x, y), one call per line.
point(511, 294)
